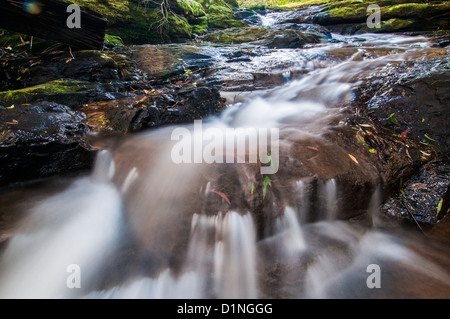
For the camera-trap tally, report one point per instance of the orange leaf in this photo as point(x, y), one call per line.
point(403, 135)
point(222, 195)
point(353, 158)
point(312, 148)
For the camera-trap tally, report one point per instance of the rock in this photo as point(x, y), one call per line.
point(69, 92)
point(407, 110)
point(284, 36)
point(351, 17)
point(179, 106)
point(416, 93)
point(425, 197)
point(42, 140)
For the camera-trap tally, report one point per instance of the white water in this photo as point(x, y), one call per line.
point(224, 255)
point(78, 227)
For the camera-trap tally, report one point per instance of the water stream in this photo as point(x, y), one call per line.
point(142, 226)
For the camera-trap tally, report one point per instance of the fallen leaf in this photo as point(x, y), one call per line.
point(439, 207)
point(222, 195)
point(429, 138)
point(417, 186)
point(10, 107)
point(403, 135)
point(361, 140)
point(312, 148)
point(353, 158)
point(407, 153)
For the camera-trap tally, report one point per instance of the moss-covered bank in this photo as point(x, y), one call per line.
point(165, 21)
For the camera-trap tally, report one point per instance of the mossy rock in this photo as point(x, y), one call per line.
point(115, 12)
point(47, 90)
point(179, 28)
point(200, 25)
point(415, 10)
point(192, 8)
point(113, 40)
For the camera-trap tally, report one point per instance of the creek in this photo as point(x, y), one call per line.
point(140, 225)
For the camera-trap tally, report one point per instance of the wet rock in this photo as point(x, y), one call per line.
point(88, 66)
point(417, 95)
point(284, 36)
point(425, 196)
point(407, 108)
point(42, 140)
point(91, 66)
point(176, 107)
point(70, 92)
point(351, 18)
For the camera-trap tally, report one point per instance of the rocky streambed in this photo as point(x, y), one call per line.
point(364, 121)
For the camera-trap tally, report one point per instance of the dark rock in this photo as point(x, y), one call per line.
point(42, 140)
point(408, 108)
point(89, 66)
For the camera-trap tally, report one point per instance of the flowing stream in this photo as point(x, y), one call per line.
point(143, 226)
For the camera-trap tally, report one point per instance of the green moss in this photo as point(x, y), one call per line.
point(355, 11)
point(415, 10)
point(395, 25)
point(192, 8)
point(56, 87)
point(114, 11)
point(113, 40)
point(142, 28)
point(220, 10)
point(179, 28)
point(200, 25)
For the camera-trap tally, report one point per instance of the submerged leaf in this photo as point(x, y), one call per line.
point(393, 120)
point(267, 180)
point(222, 195)
point(403, 135)
point(353, 158)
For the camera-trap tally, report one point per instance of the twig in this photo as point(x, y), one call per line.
point(70, 51)
point(412, 216)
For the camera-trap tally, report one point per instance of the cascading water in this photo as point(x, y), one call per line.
point(218, 230)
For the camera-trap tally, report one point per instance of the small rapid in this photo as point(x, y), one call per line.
point(143, 226)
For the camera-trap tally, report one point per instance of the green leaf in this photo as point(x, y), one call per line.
point(267, 180)
point(252, 189)
point(401, 186)
point(270, 160)
point(429, 138)
point(372, 150)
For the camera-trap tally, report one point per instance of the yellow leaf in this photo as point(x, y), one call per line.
point(440, 205)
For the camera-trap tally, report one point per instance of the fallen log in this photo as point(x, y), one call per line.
point(47, 19)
